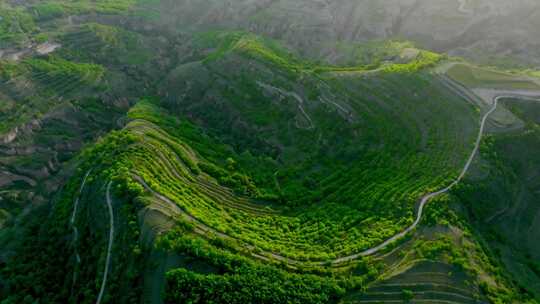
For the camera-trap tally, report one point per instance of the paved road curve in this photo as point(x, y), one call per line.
point(109, 248)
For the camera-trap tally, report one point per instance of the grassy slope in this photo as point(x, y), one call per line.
point(16, 28)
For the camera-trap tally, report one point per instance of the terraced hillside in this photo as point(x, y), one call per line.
point(104, 43)
point(153, 159)
point(54, 99)
point(315, 104)
point(475, 77)
point(49, 110)
point(209, 164)
point(259, 229)
point(505, 192)
point(426, 282)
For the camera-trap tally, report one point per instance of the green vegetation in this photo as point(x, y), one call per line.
point(221, 165)
point(311, 233)
point(270, 52)
point(408, 295)
point(18, 25)
point(93, 42)
point(510, 163)
point(377, 52)
point(266, 129)
point(49, 10)
point(15, 26)
point(29, 282)
point(53, 9)
point(225, 42)
point(33, 87)
point(236, 279)
point(60, 74)
point(476, 77)
point(445, 248)
point(249, 173)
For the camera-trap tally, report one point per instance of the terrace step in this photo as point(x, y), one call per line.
point(419, 287)
point(422, 295)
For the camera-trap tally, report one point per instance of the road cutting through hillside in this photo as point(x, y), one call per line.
point(74, 215)
point(109, 247)
point(74, 227)
point(420, 210)
point(426, 198)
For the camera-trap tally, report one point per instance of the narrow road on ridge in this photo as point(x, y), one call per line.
point(74, 215)
point(109, 248)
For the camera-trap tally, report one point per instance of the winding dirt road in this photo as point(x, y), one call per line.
point(74, 215)
point(295, 96)
point(109, 248)
point(426, 198)
point(74, 227)
point(423, 201)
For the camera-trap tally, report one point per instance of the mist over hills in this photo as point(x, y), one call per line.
point(490, 32)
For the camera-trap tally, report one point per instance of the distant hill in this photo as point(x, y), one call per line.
point(489, 31)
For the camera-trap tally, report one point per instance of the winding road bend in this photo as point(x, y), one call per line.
point(109, 248)
point(420, 210)
point(426, 198)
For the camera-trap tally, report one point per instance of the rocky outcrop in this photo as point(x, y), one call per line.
point(12, 135)
point(47, 47)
